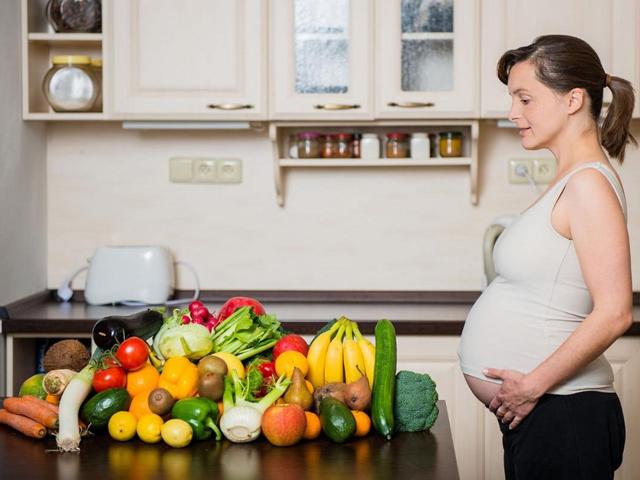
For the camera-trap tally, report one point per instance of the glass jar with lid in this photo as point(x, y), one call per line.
point(343, 146)
point(419, 146)
point(450, 144)
point(370, 146)
point(328, 146)
point(308, 145)
point(70, 85)
point(75, 15)
point(397, 145)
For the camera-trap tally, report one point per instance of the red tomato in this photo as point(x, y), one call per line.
point(133, 353)
point(234, 303)
point(290, 342)
point(113, 377)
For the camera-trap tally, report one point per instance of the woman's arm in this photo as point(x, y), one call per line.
point(600, 237)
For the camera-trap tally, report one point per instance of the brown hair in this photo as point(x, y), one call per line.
point(562, 63)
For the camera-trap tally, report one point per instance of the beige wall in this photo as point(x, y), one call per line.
point(340, 229)
point(23, 262)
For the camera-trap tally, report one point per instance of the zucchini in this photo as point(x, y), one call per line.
point(98, 409)
point(384, 379)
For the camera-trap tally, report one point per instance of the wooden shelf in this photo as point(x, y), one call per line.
point(378, 162)
point(78, 39)
point(279, 133)
point(71, 116)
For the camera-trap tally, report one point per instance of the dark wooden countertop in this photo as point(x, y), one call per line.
point(41, 313)
point(426, 455)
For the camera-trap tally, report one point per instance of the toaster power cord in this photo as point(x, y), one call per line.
point(64, 291)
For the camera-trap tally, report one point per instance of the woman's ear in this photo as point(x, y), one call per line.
point(575, 100)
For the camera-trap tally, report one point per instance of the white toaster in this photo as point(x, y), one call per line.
point(130, 274)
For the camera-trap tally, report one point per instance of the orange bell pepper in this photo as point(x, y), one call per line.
point(180, 377)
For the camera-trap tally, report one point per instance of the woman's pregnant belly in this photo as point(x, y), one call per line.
point(482, 389)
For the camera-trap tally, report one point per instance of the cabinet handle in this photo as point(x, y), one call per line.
point(336, 106)
point(229, 106)
point(411, 104)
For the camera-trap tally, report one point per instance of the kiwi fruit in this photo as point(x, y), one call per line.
point(160, 401)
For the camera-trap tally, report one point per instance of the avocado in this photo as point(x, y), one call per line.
point(337, 420)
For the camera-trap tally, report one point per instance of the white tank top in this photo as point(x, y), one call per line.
point(537, 299)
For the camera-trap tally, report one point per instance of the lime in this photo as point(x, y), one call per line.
point(33, 386)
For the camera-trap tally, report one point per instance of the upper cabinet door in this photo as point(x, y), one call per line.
point(427, 59)
point(192, 59)
point(609, 26)
point(321, 59)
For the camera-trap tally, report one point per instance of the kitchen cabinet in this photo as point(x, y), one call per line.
point(427, 58)
point(476, 435)
point(198, 60)
point(611, 27)
point(39, 44)
point(321, 59)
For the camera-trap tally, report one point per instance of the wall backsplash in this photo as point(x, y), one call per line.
point(359, 229)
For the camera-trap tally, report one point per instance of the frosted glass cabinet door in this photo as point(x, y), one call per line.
point(190, 59)
point(426, 58)
point(321, 59)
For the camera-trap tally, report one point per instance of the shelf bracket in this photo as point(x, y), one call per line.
point(473, 169)
point(278, 170)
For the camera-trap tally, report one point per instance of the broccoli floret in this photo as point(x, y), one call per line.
point(415, 406)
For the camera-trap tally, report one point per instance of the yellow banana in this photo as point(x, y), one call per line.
point(317, 354)
point(333, 362)
point(353, 361)
point(368, 353)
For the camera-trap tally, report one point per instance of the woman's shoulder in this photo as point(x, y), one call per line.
point(594, 186)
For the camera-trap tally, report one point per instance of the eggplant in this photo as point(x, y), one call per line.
point(114, 329)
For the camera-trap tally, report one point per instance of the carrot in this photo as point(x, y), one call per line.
point(22, 424)
point(31, 409)
point(52, 399)
point(42, 403)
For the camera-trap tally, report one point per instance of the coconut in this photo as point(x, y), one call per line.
point(69, 354)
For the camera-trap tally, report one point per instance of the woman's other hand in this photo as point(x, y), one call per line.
point(515, 399)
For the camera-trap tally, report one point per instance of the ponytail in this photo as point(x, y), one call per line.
point(615, 132)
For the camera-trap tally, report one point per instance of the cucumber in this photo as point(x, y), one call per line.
point(337, 420)
point(98, 409)
point(384, 376)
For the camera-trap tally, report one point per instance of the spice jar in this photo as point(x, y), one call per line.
point(419, 146)
point(370, 146)
point(69, 85)
point(356, 145)
point(343, 146)
point(397, 145)
point(75, 15)
point(450, 144)
point(96, 67)
point(328, 146)
point(308, 145)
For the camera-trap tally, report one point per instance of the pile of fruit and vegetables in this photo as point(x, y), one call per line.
point(192, 375)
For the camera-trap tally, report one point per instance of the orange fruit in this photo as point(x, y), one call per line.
point(144, 379)
point(286, 362)
point(140, 404)
point(313, 426)
point(363, 423)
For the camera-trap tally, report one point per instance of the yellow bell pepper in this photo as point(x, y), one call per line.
point(180, 377)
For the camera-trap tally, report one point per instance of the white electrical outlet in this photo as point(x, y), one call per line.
point(229, 170)
point(519, 168)
point(204, 170)
point(544, 170)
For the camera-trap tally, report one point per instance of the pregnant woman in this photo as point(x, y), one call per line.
point(532, 346)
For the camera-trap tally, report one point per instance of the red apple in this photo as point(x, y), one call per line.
point(284, 424)
point(290, 342)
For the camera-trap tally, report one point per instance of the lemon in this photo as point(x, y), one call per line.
point(122, 426)
point(149, 427)
point(176, 433)
point(233, 362)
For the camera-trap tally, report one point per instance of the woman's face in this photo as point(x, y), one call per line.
point(538, 112)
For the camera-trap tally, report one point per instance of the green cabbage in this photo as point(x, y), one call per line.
point(174, 339)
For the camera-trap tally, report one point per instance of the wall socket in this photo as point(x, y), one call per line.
point(542, 170)
point(205, 170)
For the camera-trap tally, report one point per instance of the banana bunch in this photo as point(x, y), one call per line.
point(340, 354)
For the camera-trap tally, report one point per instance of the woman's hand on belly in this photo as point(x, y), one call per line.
point(515, 399)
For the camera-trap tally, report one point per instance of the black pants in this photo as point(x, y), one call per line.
point(573, 437)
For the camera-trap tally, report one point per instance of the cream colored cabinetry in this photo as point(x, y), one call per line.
point(321, 59)
point(426, 58)
point(611, 27)
point(200, 59)
point(476, 436)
